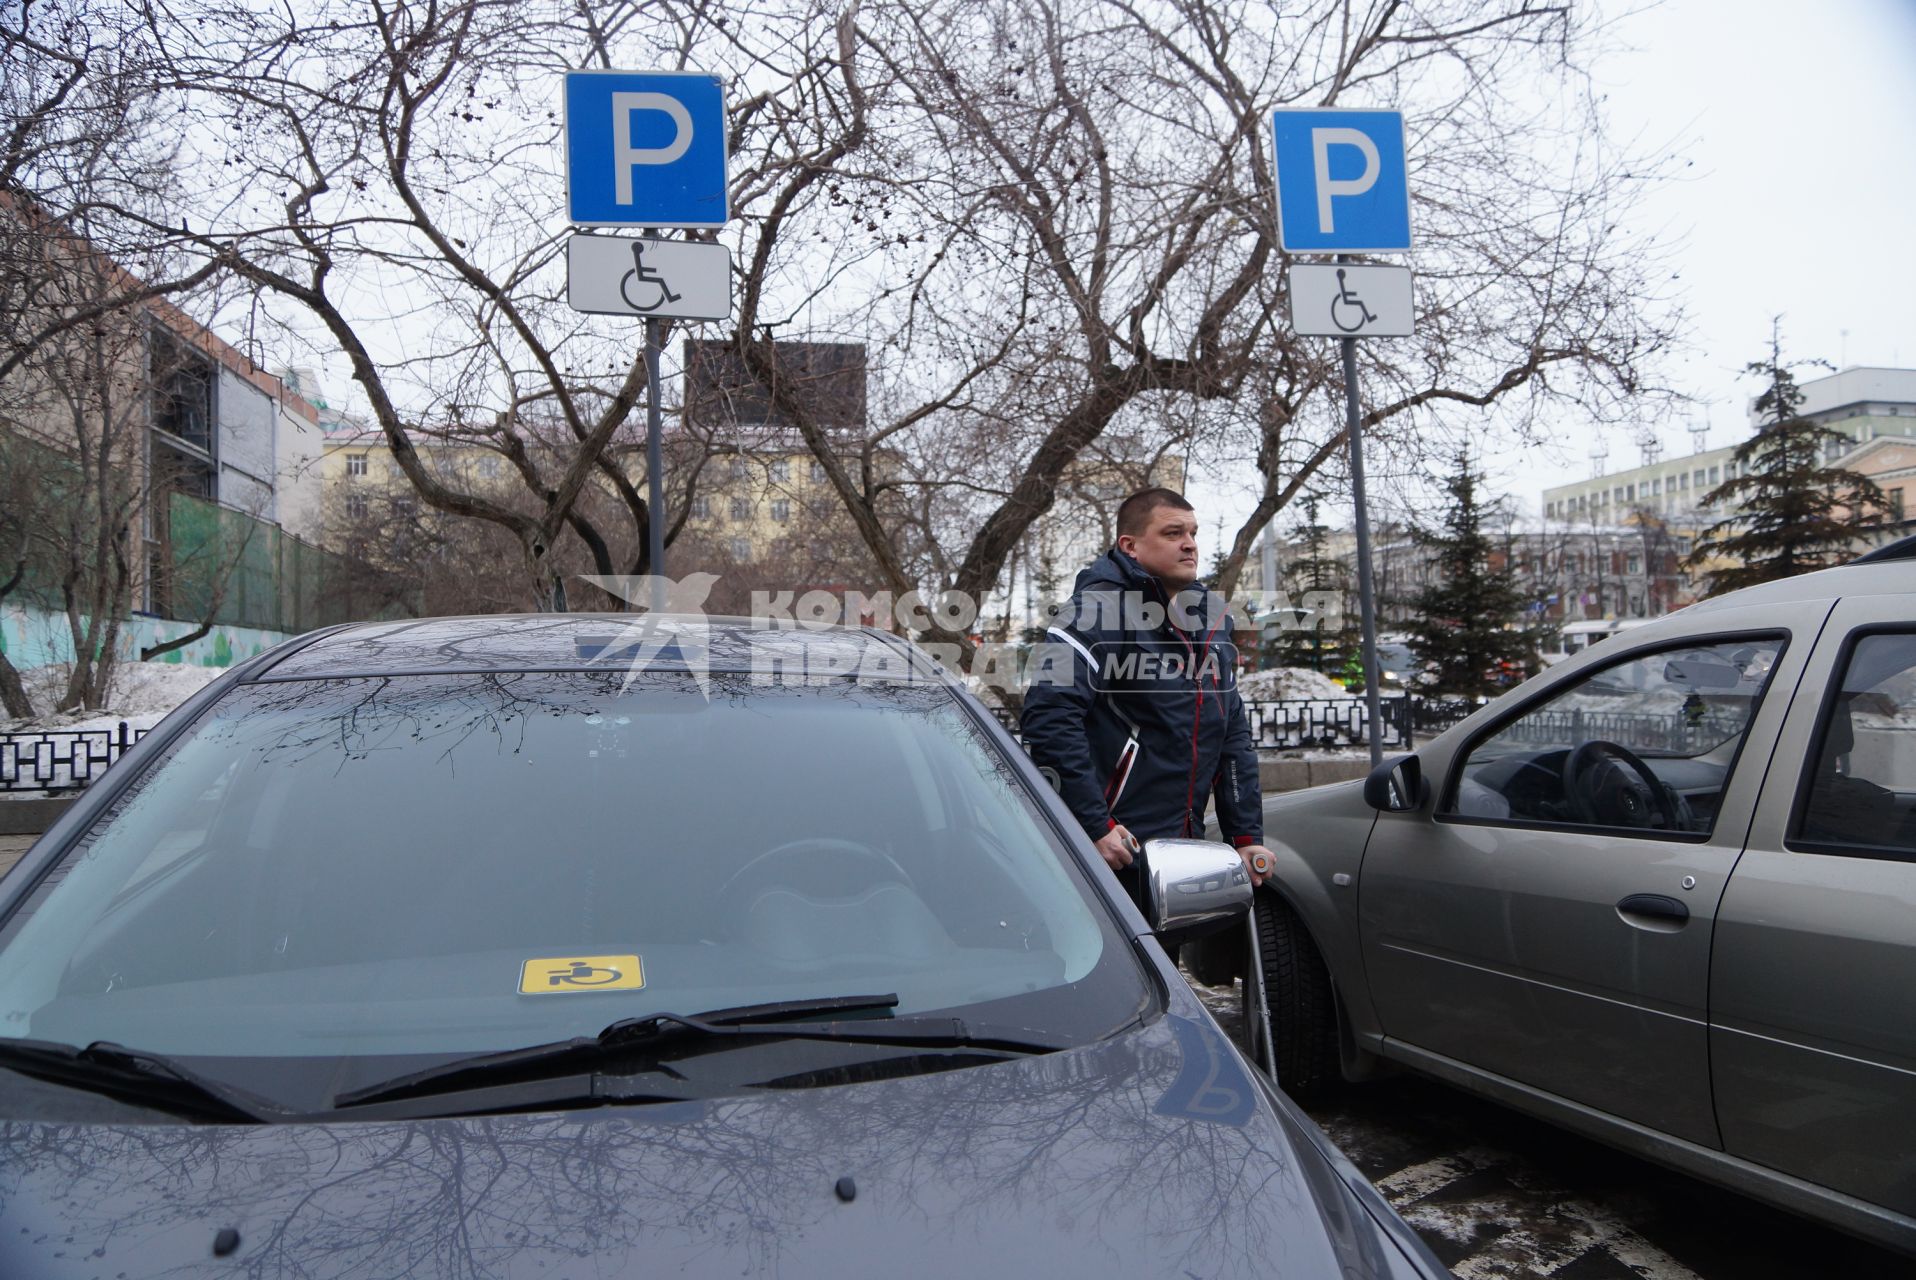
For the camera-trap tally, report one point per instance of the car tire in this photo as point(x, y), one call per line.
point(1301, 1002)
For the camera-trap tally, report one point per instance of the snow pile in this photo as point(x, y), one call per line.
point(1288, 683)
point(142, 693)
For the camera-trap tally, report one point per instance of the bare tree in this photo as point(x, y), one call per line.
point(1048, 220)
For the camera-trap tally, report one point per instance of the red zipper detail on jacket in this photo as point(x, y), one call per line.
point(1197, 720)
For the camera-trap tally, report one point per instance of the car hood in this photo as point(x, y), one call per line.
point(1151, 1154)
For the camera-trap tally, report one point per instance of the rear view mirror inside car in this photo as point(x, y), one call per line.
point(1699, 673)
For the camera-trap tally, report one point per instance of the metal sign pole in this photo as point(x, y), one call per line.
point(1366, 601)
point(654, 466)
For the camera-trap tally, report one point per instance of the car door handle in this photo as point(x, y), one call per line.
point(1653, 911)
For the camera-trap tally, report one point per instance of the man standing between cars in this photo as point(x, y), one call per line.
point(1149, 724)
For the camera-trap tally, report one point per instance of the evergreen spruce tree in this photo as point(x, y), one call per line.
point(1468, 624)
point(1323, 643)
point(1786, 508)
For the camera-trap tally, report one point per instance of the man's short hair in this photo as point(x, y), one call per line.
point(1135, 512)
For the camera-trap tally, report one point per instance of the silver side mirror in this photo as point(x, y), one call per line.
point(1193, 886)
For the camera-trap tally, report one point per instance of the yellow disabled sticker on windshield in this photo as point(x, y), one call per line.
point(581, 973)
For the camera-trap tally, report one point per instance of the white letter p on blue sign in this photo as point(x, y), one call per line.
point(625, 155)
point(1342, 185)
point(645, 149)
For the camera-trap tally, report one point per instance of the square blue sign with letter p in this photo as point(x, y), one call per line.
point(645, 149)
point(1342, 181)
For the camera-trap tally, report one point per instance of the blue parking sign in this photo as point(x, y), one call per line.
point(645, 149)
point(1342, 185)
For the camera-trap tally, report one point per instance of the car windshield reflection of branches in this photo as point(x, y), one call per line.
point(363, 865)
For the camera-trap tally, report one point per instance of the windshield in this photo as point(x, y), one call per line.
point(330, 880)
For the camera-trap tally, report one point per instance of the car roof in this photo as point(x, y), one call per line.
point(1868, 576)
point(604, 642)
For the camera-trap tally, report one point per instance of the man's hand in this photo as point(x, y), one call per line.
point(1117, 847)
point(1255, 856)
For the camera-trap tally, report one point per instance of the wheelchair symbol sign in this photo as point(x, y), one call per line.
point(1348, 311)
point(549, 975)
point(1345, 300)
point(665, 279)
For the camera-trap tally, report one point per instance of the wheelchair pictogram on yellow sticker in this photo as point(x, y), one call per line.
point(581, 973)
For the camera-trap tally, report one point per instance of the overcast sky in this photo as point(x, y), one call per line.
point(1800, 201)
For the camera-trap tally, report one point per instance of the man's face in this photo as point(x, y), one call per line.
point(1167, 548)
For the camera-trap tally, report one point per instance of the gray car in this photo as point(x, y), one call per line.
point(561, 946)
point(1663, 894)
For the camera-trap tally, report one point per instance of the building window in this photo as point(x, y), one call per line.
point(818, 472)
point(1896, 504)
point(701, 508)
point(741, 508)
point(741, 549)
point(781, 471)
point(489, 468)
point(781, 510)
point(1713, 475)
point(182, 381)
point(355, 464)
point(1633, 565)
point(355, 506)
point(741, 466)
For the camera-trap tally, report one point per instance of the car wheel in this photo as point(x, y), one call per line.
point(1302, 1005)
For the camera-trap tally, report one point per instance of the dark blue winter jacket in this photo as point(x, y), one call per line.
point(1118, 664)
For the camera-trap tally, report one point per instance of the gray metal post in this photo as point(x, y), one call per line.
point(654, 465)
point(1366, 601)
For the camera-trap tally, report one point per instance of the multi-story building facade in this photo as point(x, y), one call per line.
point(150, 465)
point(764, 513)
point(1865, 404)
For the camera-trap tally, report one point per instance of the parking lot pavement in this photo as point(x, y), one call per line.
point(1500, 1196)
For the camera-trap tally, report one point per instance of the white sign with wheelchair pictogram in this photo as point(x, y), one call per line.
point(1343, 300)
point(661, 279)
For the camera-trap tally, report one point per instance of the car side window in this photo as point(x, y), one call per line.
point(1860, 793)
point(1644, 745)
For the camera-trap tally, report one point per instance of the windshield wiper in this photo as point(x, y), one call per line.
point(778, 1021)
point(137, 1076)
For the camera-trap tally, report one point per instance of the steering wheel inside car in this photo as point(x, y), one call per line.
point(1598, 782)
point(816, 867)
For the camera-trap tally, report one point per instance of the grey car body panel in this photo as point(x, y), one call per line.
point(1149, 1154)
point(1502, 944)
point(1155, 1151)
point(1315, 836)
point(1813, 996)
point(1777, 1073)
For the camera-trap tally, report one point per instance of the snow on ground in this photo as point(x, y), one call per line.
point(142, 693)
point(1289, 682)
